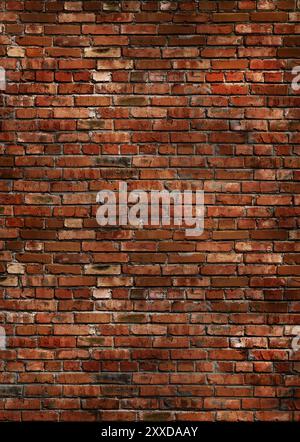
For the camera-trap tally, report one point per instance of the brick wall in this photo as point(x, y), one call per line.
point(147, 324)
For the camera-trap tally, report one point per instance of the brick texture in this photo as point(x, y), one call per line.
point(147, 324)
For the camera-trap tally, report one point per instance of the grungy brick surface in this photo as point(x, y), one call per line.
point(123, 323)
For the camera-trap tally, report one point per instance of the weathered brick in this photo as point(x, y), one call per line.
point(145, 323)
point(102, 52)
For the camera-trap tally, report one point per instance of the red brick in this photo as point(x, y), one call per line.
point(123, 323)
